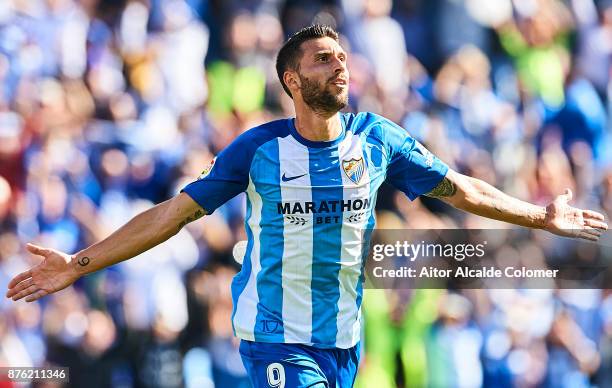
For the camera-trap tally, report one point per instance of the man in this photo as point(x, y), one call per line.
point(311, 186)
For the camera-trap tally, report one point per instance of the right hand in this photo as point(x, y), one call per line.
point(54, 273)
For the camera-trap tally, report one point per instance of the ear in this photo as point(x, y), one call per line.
point(292, 80)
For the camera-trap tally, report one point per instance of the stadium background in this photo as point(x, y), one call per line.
point(107, 107)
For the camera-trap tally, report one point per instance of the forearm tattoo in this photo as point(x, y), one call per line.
point(83, 261)
point(446, 188)
point(195, 216)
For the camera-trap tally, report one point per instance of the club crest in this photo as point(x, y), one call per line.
point(353, 169)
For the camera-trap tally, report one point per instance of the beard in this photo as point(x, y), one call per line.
point(320, 99)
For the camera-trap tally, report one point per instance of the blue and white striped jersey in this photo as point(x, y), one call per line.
point(310, 213)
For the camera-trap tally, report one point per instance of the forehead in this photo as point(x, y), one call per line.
point(325, 44)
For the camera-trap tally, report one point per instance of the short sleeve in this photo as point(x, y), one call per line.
point(412, 168)
point(226, 177)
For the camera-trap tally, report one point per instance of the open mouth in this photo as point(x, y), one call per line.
point(339, 82)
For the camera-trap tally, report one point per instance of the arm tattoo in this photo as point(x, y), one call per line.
point(446, 188)
point(195, 216)
point(83, 261)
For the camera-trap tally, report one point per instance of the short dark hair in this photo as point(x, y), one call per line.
point(290, 54)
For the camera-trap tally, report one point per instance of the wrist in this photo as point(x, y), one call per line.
point(79, 263)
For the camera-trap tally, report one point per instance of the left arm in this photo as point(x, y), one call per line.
point(478, 197)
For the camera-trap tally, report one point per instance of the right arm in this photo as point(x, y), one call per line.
point(141, 233)
point(58, 270)
point(223, 180)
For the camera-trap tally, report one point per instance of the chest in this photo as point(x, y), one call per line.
point(320, 186)
point(294, 172)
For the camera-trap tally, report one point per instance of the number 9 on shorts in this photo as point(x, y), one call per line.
point(276, 375)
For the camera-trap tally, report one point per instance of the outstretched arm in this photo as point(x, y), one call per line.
point(58, 270)
point(478, 197)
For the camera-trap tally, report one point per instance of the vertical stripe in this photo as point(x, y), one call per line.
point(244, 286)
point(376, 171)
point(269, 320)
point(297, 253)
point(352, 243)
point(240, 281)
point(326, 184)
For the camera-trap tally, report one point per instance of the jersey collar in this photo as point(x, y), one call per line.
point(317, 144)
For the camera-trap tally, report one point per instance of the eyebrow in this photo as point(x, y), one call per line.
point(328, 52)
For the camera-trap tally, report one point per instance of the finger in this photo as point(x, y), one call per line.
point(30, 290)
point(37, 295)
point(595, 224)
point(593, 231)
point(593, 215)
point(568, 195)
point(587, 236)
point(19, 278)
point(21, 286)
point(35, 249)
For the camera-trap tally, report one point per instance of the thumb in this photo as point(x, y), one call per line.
point(35, 249)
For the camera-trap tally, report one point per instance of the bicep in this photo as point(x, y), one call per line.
point(181, 210)
point(452, 189)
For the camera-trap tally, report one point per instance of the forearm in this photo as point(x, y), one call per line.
point(487, 201)
point(478, 197)
point(141, 233)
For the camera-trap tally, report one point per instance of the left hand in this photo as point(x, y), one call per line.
point(567, 221)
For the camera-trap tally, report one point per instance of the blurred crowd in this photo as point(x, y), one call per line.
point(110, 106)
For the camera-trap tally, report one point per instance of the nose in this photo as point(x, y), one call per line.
point(339, 66)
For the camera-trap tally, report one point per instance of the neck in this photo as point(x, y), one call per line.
point(316, 126)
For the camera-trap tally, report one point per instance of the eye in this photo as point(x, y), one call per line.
point(322, 58)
